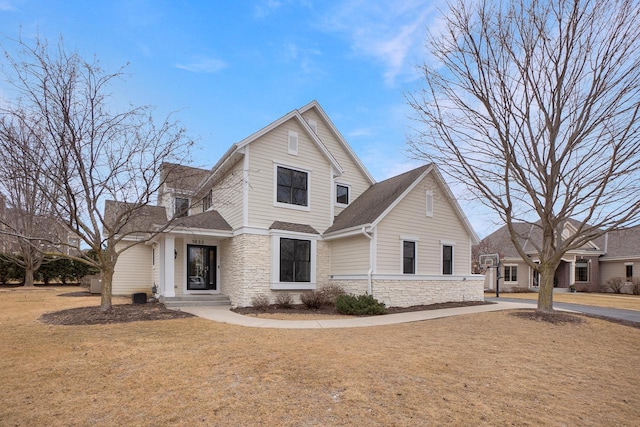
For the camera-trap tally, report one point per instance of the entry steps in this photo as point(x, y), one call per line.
point(202, 300)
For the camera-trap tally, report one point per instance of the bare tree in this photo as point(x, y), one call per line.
point(533, 104)
point(27, 226)
point(92, 153)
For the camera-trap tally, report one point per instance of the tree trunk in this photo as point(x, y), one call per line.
point(28, 277)
point(107, 280)
point(545, 294)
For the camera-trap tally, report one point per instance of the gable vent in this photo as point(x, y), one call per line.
point(293, 142)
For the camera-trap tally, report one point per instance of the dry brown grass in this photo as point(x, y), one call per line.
point(488, 369)
point(627, 302)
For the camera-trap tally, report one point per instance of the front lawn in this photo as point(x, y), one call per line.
point(483, 369)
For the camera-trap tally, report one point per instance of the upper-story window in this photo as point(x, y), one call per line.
point(292, 186)
point(207, 200)
point(181, 207)
point(342, 194)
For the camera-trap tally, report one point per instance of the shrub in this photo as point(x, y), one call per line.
point(313, 300)
point(635, 286)
point(521, 290)
point(331, 293)
point(284, 300)
point(260, 301)
point(360, 305)
point(616, 284)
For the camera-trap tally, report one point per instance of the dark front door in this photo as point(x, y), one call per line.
point(201, 268)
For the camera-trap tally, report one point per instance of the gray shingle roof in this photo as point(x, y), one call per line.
point(624, 242)
point(210, 220)
point(143, 219)
point(290, 226)
point(182, 177)
point(375, 200)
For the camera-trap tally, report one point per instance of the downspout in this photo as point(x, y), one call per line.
point(370, 272)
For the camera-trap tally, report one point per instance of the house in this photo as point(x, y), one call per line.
point(291, 208)
point(588, 268)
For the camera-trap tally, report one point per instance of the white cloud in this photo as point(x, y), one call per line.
point(393, 34)
point(203, 65)
point(6, 6)
point(360, 132)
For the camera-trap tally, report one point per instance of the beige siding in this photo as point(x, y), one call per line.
point(350, 255)
point(409, 219)
point(611, 269)
point(272, 148)
point(133, 271)
point(227, 196)
point(352, 173)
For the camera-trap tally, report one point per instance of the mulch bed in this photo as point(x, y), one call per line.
point(331, 310)
point(556, 318)
point(120, 313)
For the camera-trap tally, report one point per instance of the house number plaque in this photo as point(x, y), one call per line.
point(197, 242)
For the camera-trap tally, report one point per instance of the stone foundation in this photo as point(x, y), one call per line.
point(406, 293)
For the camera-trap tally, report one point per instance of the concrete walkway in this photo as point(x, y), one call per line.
point(614, 313)
point(225, 315)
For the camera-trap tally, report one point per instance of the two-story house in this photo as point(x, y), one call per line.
point(291, 208)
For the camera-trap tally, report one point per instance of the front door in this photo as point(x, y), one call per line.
point(201, 268)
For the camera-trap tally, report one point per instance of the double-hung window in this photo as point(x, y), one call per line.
point(447, 259)
point(629, 271)
point(295, 260)
point(292, 186)
point(510, 273)
point(582, 271)
point(408, 257)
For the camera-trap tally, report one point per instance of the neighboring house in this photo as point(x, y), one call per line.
point(52, 236)
point(616, 254)
point(291, 208)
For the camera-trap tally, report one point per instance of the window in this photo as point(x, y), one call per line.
point(408, 257)
point(181, 207)
point(293, 143)
point(447, 259)
point(510, 273)
point(429, 203)
point(629, 271)
point(295, 260)
point(292, 187)
point(342, 194)
point(153, 255)
point(207, 200)
point(582, 270)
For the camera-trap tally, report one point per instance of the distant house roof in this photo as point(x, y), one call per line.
point(624, 242)
point(290, 226)
point(181, 177)
point(529, 236)
point(375, 200)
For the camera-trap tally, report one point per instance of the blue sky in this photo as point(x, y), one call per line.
point(226, 69)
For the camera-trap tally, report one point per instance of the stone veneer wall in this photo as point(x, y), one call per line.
point(405, 293)
point(245, 269)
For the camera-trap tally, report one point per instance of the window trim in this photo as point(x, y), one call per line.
point(510, 267)
point(335, 199)
point(442, 246)
point(276, 284)
point(276, 203)
point(575, 270)
point(415, 255)
point(175, 206)
point(628, 265)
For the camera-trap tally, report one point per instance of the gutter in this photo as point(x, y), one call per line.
point(370, 272)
